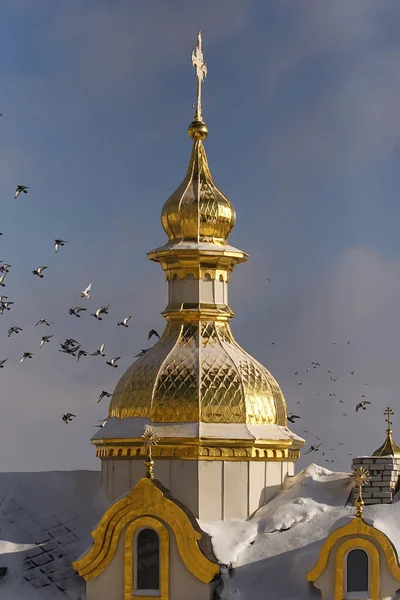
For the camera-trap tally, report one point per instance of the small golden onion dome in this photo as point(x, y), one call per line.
point(198, 210)
point(199, 373)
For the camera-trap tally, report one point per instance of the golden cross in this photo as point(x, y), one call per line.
point(360, 477)
point(388, 412)
point(150, 439)
point(201, 72)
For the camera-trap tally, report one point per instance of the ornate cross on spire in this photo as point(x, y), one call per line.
point(388, 412)
point(150, 439)
point(360, 477)
point(201, 72)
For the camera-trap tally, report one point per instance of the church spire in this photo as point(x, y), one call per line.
point(388, 448)
point(198, 129)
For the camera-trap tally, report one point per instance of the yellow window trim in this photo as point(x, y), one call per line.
point(129, 558)
point(373, 566)
point(145, 499)
point(356, 527)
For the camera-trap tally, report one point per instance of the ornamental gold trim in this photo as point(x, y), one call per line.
point(190, 449)
point(357, 527)
point(129, 558)
point(145, 499)
point(373, 567)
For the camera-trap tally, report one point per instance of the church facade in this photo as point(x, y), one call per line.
point(209, 423)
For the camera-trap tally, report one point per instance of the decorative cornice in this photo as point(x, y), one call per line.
point(197, 449)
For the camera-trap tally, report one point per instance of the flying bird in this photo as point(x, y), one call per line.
point(5, 306)
point(362, 404)
point(2, 278)
point(5, 268)
point(300, 383)
point(69, 350)
point(292, 418)
point(97, 314)
point(43, 322)
point(104, 309)
point(75, 311)
point(45, 338)
point(26, 355)
point(124, 322)
point(100, 351)
point(313, 448)
point(153, 332)
point(104, 395)
point(112, 361)
point(352, 372)
point(86, 292)
point(71, 342)
point(58, 243)
point(4, 360)
point(82, 353)
point(142, 352)
point(68, 417)
point(38, 271)
point(333, 378)
point(20, 188)
point(14, 329)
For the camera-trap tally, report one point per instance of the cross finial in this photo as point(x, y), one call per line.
point(150, 439)
point(201, 72)
point(360, 477)
point(388, 412)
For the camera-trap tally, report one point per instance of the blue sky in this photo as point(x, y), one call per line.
point(302, 105)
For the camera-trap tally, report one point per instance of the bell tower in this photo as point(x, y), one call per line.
point(224, 446)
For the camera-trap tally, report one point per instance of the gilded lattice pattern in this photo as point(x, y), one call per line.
point(134, 391)
point(222, 398)
point(198, 212)
point(264, 399)
point(176, 391)
point(198, 372)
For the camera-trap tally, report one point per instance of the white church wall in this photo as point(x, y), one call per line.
point(181, 581)
point(207, 291)
point(121, 478)
point(212, 490)
point(184, 483)
point(109, 585)
point(273, 479)
point(256, 485)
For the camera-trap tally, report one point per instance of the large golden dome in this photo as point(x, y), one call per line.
point(197, 372)
point(198, 211)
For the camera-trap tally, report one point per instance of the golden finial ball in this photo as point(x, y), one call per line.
point(197, 130)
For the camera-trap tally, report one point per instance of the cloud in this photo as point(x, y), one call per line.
point(109, 43)
point(356, 300)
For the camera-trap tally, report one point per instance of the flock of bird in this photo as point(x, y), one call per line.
point(361, 405)
point(68, 346)
point(73, 347)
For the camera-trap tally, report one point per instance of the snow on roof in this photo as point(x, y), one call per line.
point(275, 548)
point(45, 524)
point(133, 427)
point(46, 520)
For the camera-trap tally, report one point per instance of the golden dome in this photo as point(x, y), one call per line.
point(198, 211)
point(199, 373)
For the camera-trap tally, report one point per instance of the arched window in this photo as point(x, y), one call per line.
point(357, 575)
point(147, 563)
